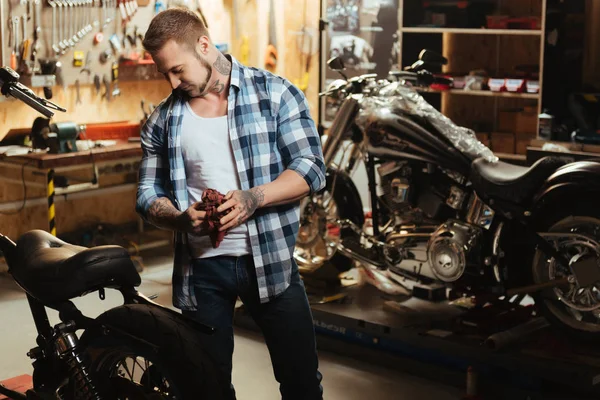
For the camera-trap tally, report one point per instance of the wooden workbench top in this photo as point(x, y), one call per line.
point(47, 161)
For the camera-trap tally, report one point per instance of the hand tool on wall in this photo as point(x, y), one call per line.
point(59, 75)
point(24, 67)
point(90, 9)
point(15, 36)
point(123, 11)
point(73, 39)
point(86, 67)
point(95, 11)
point(97, 83)
point(271, 53)
point(115, 79)
point(55, 46)
point(106, 84)
point(60, 30)
point(80, 25)
point(37, 32)
point(77, 94)
point(2, 34)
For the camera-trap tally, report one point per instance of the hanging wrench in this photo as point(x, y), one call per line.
point(80, 23)
point(15, 36)
point(106, 83)
point(55, 45)
point(88, 17)
point(60, 31)
point(77, 96)
point(72, 34)
point(97, 11)
point(107, 18)
point(3, 36)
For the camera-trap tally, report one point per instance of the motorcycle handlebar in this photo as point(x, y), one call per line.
point(10, 86)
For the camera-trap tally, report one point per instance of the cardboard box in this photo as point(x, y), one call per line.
point(503, 142)
point(526, 122)
point(507, 120)
point(522, 141)
point(518, 121)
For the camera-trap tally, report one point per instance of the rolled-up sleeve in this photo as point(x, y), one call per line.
point(298, 139)
point(154, 167)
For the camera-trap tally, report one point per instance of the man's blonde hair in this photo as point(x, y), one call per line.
point(179, 24)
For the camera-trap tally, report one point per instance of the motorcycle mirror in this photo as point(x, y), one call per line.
point(431, 57)
point(337, 64)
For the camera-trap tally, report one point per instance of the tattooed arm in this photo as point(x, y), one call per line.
point(163, 214)
point(287, 188)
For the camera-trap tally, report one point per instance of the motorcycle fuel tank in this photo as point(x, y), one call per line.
point(399, 136)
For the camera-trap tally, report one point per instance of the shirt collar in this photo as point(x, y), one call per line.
point(237, 72)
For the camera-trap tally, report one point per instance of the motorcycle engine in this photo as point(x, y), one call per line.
point(395, 184)
point(443, 255)
point(452, 248)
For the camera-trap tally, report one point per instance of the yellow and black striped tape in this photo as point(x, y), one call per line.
point(51, 210)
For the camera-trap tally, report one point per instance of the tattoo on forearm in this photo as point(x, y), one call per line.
point(252, 199)
point(222, 65)
point(162, 211)
point(217, 87)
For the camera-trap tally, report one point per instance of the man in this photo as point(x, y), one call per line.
point(249, 134)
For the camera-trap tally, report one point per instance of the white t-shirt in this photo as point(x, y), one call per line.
point(209, 163)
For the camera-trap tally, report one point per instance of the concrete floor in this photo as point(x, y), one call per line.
point(344, 378)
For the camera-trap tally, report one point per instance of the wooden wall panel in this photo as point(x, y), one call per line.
point(298, 14)
point(116, 208)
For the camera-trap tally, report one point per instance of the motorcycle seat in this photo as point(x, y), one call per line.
point(54, 271)
point(510, 182)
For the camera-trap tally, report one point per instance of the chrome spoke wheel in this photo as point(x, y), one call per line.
point(319, 232)
point(574, 305)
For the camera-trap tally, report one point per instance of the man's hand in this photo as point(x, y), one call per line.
point(242, 205)
point(192, 220)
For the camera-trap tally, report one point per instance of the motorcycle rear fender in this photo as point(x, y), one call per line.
point(568, 185)
point(346, 196)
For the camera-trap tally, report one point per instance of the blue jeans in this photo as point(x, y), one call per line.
point(286, 323)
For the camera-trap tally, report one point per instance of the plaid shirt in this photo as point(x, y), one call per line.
point(271, 130)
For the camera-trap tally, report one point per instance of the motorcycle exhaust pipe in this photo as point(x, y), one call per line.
point(538, 287)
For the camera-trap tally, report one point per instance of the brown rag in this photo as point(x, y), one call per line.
point(211, 200)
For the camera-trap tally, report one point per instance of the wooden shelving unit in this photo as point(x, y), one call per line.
point(485, 93)
point(519, 32)
point(497, 50)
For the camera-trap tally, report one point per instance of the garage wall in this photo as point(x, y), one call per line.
point(118, 207)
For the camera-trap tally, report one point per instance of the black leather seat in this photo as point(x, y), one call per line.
point(53, 271)
point(510, 182)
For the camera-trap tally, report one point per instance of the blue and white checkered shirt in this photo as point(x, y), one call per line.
point(271, 130)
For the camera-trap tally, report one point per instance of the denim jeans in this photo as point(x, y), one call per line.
point(286, 323)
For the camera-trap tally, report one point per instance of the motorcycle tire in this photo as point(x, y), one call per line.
point(178, 357)
point(557, 313)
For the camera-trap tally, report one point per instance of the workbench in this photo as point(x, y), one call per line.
point(82, 173)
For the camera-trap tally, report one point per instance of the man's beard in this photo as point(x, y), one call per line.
point(208, 68)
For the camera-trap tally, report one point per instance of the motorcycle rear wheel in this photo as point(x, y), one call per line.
point(573, 309)
point(178, 368)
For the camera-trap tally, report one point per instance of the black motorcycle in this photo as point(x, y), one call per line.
point(139, 350)
point(445, 210)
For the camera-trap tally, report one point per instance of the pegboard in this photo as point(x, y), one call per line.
point(71, 17)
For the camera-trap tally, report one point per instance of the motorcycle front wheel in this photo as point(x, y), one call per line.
point(573, 308)
point(320, 231)
point(167, 361)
